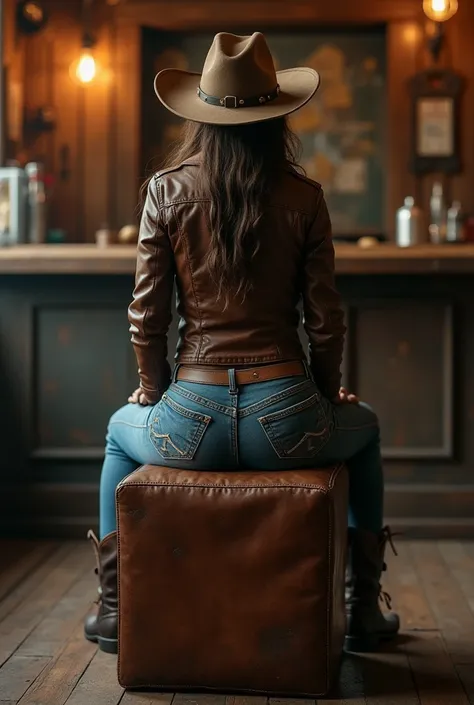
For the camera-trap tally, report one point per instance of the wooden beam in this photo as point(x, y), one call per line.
point(185, 14)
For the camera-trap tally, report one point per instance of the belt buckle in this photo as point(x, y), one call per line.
point(230, 97)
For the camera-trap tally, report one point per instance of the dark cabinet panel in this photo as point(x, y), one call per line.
point(66, 366)
point(404, 369)
point(84, 370)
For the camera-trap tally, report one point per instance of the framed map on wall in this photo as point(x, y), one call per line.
point(342, 129)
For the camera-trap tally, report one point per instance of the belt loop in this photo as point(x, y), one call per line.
point(175, 373)
point(232, 382)
point(307, 368)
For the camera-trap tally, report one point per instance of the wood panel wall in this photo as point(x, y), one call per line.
point(94, 150)
point(13, 64)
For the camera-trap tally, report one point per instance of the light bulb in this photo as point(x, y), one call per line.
point(440, 10)
point(86, 68)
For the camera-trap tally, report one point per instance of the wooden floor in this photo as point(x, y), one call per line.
point(46, 589)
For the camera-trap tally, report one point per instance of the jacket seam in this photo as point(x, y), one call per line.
point(196, 300)
point(180, 201)
point(158, 195)
point(155, 245)
point(306, 179)
point(289, 168)
point(313, 221)
point(171, 169)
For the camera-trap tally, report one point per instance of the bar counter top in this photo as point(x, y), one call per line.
point(350, 259)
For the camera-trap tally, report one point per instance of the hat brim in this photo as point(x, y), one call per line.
point(177, 90)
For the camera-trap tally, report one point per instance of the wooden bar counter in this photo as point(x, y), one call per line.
point(66, 364)
point(381, 259)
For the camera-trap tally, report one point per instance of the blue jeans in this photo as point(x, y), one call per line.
point(275, 425)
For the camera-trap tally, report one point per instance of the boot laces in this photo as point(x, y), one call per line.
point(386, 598)
point(387, 538)
point(95, 545)
point(98, 599)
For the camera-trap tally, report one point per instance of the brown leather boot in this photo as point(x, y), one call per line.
point(367, 626)
point(101, 627)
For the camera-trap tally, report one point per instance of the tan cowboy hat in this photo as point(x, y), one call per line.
point(238, 84)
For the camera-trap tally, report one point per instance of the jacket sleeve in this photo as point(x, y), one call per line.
point(149, 313)
point(323, 315)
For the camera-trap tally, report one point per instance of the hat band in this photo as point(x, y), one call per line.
point(233, 101)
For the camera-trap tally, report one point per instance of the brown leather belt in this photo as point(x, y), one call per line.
point(249, 375)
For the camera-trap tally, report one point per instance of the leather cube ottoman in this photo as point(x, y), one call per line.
point(232, 582)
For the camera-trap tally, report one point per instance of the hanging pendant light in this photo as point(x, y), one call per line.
point(85, 69)
point(440, 10)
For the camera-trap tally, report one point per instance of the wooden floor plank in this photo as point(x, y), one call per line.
point(16, 627)
point(31, 580)
point(388, 679)
point(17, 675)
point(57, 626)
point(448, 604)
point(246, 700)
point(433, 672)
point(466, 676)
point(435, 676)
point(408, 597)
point(10, 549)
point(11, 552)
point(131, 698)
point(289, 701)
point(24, 558)
point(460, 562)
point(469, 548)
point(198, 699)
point(98, 683)
point(59, 678)
point(461, 566)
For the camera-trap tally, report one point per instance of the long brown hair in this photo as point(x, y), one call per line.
point(239, 165)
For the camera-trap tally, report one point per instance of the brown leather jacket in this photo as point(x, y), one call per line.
point(295, 261)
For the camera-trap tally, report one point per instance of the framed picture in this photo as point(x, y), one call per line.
point(435, 124)
point(435, 100)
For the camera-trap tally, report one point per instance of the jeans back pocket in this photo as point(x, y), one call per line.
point(299, 431)
point(176, 432)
